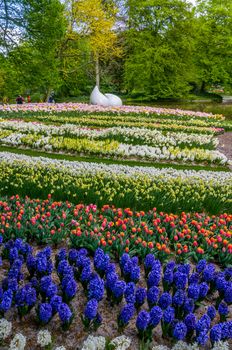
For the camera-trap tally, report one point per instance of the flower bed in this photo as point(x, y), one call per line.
point(62, 289)
point(96, 121)
point(187, 236)
point(135, 136)
point(135, 187)
point(131, 279)
point(86, 108)
point(110, 148)
point(129, 143)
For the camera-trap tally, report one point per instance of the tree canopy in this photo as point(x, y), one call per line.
point(150, 48)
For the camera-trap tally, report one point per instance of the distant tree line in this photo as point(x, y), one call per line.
point(155, 49)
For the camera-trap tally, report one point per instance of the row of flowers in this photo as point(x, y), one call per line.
point(189, 125)
point(19, 341)
point(86, 108)
point(44, 340)
point(112, 148)
point(173, 296)
point(66, 117)
point(99, 121)
point(126, 135)
point(188, 236)
point(124, 186)
point(99, 343)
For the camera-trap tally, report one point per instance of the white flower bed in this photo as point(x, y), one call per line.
point(42, 137)
point(81, 168)
point(44, 338)
point(172, 153)
point(18, 342)
point(5, 328)
point(94, 343)
point(121, 343)
point(150, 137)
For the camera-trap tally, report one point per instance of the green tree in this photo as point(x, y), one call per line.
point(46, 30)
point(95, 21)
point(159, 44)
point(11, 83)
point(214, 43)
point(76, 67)
point(76, 63)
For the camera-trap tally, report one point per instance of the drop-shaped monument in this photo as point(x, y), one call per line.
point(114, 100)
point(97, 98)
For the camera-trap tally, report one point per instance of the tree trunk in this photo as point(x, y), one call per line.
point(47, 94)
point(203, 86)
point(97, 72)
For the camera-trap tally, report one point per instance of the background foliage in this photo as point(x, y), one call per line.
point(151, 49)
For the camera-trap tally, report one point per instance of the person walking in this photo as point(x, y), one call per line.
point(51, 98)
point(19, 100)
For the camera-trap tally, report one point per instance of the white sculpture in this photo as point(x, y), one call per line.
point(114, 100)
point(97, 98)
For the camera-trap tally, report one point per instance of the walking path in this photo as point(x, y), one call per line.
point(225, 145)
point(226, 99)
